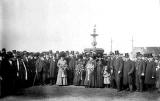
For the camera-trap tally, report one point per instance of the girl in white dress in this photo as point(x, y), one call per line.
point(107, 77)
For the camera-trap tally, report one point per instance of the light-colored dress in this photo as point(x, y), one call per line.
point(106, 76)
point(62, 73)
point(90, 74)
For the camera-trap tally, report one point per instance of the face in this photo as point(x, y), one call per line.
point(150, 59)
point(47, 56)
point(14, 55)
point(62, 58)
point(139, 57)
point(156, 61)
point(42, 58)
point(35, 57)
point(50, 56)
point(117, 56)
point(127, 58)
point(53, 57)
point(90, 58)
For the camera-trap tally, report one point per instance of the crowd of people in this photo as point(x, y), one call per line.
point(89, 69)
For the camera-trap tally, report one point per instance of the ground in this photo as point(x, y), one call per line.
point(74, 93)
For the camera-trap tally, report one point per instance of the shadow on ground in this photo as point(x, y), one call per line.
point(72, 92)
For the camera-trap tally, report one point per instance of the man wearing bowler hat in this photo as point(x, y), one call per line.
point(140, 70)
point(118, 64)
point(150, 72)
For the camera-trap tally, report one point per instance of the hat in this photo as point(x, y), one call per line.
point(62, 54)
point(3, 50)
point(57, 52)
point(37, 54)
point(41, 55)
point(150, 55)
point(111, 53)
point(19, 54)
point(93, 56)
point(99, 55)
point(14, 51)
point(117, 52)
point(138, 54)
point(80, 56)
point(10, 54)
point(145, 55)
point(126, 55)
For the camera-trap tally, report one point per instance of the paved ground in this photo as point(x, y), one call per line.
point(74, 93)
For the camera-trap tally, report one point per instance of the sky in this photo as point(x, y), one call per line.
point(41, 25)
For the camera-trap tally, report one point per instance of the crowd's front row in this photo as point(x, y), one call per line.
point(23, 69)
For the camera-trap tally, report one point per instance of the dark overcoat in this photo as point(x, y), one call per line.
point(52, 68)
point(150, 72)
point(99, 74)
point(128, 71)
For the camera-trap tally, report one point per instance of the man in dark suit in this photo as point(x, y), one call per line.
point(39, 66)
point(118, 64)
point(112, 69)
point(140, 70)
point(128, 73)
point(150, 73)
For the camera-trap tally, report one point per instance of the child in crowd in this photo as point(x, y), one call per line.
point(107, 77)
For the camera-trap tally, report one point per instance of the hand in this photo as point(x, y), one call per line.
point(1, 78)
point(152, 77)
point(111, 71)
point(129, 73)
point(142, 74)
point(17, 74)
point(119, 72)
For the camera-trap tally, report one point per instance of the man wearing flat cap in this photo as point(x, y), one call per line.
point(128, 73)
point(118, 64)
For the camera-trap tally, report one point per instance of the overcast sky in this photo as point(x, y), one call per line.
point(37, 25)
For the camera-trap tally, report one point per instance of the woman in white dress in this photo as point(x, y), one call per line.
point(62, 73)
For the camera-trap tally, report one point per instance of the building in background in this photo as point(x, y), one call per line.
point(154, 50)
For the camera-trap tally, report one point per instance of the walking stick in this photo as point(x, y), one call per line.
point(35, 78)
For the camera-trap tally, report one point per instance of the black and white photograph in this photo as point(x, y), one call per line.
point(79, 50)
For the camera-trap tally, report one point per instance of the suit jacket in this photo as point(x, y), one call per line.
point(118, 64)
point(140, 67)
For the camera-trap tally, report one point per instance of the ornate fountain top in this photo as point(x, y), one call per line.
point(94, 43)
point(94, 35)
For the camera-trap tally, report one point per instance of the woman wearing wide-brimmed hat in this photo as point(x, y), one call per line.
point(62, 74)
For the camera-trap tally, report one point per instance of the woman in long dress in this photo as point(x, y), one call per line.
point(78, 75)
point(90, 73)
point(62, 74)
